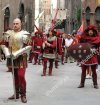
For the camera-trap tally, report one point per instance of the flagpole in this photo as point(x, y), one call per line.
point(82, 12)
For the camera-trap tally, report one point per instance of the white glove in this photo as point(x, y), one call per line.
point(93, 50)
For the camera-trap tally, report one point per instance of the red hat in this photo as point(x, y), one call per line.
point(59, 33)
point(91, 27)
point(36, 32)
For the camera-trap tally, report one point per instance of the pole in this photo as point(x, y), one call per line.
point(0, 17)
point(13, 74)
point(70, 4)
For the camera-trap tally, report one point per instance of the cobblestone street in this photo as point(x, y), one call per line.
point(59, 89)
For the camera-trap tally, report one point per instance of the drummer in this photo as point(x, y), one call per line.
point(91, 36)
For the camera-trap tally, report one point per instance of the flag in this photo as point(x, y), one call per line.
point(37, 18)
point(80, 30)
point(59, 24)
point(53, 21)
point(39, 15)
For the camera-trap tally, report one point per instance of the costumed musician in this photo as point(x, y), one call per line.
point(91, 36)
point(37, 42)
point(49, 52)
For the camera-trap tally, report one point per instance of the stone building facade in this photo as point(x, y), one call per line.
point(73, 19)
point(73, 13)
point(46, 17)
point(10, 9)
point(91, 13)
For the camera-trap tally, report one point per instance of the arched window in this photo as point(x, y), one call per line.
point(88, 15)
point(6, 19)
point(21, 12)
point(97, 14)
point(97, 18)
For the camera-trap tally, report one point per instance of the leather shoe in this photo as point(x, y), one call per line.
point(43, 74)
point(81, 86)
point(50, 74)
point(62, 63)
point(23, 99)
point(12, 97)
point(96, 86)
point(9, 70)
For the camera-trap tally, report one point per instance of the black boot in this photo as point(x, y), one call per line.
point(83, 75)
point(50, 72)
point(94, 78)
point(50, 68)
point(56, 64)
point(82, 81)
point(44, 72)
point(95, 82)
point(44, 68)
point(96, 86)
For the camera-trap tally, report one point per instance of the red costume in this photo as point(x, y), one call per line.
point(31, 55)
point(94, 40)
point(60, 48)
point(17, 41)
point(49, 53)
point(37, 46)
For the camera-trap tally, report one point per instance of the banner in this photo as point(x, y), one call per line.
point(59, 24)
point(54, 19)
point(61, 14)
point(39, 15)
point(80, 30)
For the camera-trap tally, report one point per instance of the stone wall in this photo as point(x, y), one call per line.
point(14, 7)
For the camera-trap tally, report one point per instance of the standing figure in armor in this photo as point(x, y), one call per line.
point(37, 47)
point(49, 52)
point(91, 36)
point(18, 39)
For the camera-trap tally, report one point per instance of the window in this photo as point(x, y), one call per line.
point(88, 14)
point(6, 19)
point(97, 14)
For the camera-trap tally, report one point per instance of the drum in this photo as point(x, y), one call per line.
point(80, 51)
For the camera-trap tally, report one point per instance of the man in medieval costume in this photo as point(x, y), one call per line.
point(68, 43)
point(60, 48)
point(49, 52)
point(90, 36)
point(37, 46)
point(17, 39)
